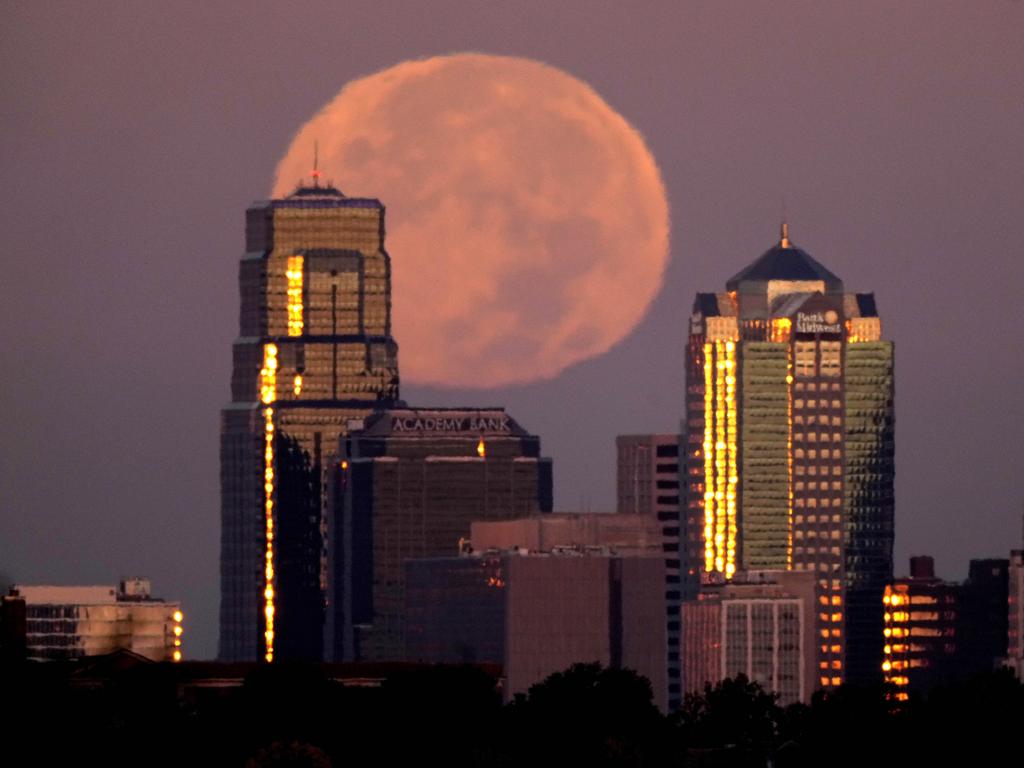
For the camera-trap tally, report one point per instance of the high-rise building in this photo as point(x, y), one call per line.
point(648, 485)
point(788, 443)
point(314, 351)
point(72, 622)
point(408, 483)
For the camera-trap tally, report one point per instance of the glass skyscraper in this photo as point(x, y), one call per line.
point(788, 442)
point(314, 351)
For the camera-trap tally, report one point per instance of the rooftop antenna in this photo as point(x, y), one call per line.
point(316, 164)
point(784, 234)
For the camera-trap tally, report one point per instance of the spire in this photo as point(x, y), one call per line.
point(784, 236)
point(316, 164)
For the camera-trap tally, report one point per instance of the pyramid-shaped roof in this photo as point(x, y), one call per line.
point(785, 262)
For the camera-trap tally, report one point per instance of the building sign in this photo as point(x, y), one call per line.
point(449, 424)
point(818, 322)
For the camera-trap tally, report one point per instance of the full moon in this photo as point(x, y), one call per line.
point(526, 219)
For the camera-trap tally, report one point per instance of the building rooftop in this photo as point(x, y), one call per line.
point(785, 261)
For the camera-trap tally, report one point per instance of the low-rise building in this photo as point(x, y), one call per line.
point(69, 622)
point(759, 624)
point(539, 613)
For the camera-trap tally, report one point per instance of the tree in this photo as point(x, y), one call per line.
point(588, 714)
point(736, 715)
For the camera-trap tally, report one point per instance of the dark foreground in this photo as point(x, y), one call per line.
point(453, 716)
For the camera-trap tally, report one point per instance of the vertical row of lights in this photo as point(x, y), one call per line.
point(268, 394)
point(732, 467)
point(789, 456)
point(896, 632)
point(709, 458)
point(295, 308)
point(720, 457)
point(178, 616)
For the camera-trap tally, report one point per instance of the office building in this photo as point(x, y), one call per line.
point(407, 484)
point(314, 351)
point(539, 613)
point(71, 622)
point(920, 630)
point(788, 443)
point(984, 614)
point(760, 624)
point(647, 484)
point(936, 631)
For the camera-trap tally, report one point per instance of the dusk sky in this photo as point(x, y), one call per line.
point(133, 138)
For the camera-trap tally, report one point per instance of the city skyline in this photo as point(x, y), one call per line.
point(893, 145)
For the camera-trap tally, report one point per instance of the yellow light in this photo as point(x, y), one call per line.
point(294, 275)
point(177, 656)
point(178, 616)
point(709, 460)
point(297, 386)
point(177, 630)
point(268, 394)
point(344, 465)
point(177, 642)
point(481, 450)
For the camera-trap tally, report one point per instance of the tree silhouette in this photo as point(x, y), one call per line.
point(588, 714)
point(735, 714)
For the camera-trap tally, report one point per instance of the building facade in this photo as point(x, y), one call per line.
point(647, 484)
point(760, 624)
point(58, 622)
point(1015, 612)
point(629, 535)
point(539, 613)
point(407, 484)
point(788, 446)
point(920, 630)
point(314, 351)
point(937, 631)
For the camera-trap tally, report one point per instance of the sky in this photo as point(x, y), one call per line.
point(134, 136)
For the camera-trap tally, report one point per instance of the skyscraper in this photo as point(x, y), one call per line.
point(408, 484)
point(789, 446)
point(313, 352)
point(648, 484)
